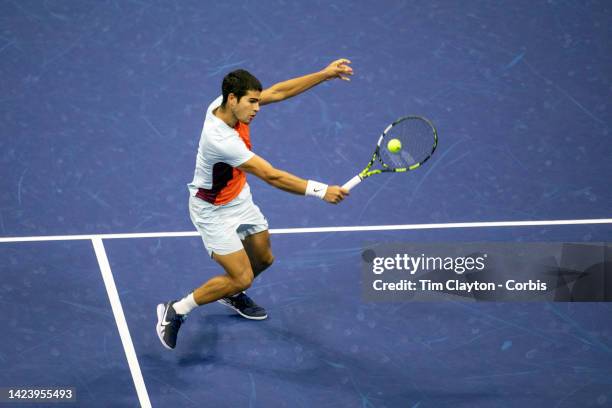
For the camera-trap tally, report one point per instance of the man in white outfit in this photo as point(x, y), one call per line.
point(233, 229)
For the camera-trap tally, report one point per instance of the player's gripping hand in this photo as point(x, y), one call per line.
point(335, 194)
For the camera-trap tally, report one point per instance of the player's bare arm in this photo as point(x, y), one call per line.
point(339, 68)
point(285, 181)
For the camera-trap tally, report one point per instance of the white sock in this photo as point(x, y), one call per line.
point(185, 305)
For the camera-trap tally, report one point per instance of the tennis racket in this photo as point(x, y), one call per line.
point(417, 139)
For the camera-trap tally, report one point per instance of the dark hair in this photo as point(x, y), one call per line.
point(239, 82)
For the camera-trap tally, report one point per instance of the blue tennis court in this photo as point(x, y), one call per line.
point(102, 105)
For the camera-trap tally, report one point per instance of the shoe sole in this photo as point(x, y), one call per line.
point(161, 308)
point(242, 314)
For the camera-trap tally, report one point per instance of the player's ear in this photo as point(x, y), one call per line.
point(231, 99)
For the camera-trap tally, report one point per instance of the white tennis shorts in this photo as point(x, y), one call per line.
point(223, 227)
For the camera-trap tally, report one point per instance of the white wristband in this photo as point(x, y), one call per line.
point(315, 189)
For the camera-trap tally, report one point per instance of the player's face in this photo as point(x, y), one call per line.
point(248, 106)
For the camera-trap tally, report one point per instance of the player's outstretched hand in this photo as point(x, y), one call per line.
point(339, 69)
point(335, 194)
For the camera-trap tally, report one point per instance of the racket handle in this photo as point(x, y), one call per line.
point(352, 182)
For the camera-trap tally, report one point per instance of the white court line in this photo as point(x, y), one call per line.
point(124, 332)
point(491, 224)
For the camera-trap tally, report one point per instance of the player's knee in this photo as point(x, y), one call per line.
point(244, 281)
point(267, 260)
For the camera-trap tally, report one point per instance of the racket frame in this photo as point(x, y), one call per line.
point(366, 172)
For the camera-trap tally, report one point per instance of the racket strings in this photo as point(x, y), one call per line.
point(417, 138)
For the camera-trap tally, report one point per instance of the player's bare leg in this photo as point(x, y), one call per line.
point(259, 251)
point(238, 277)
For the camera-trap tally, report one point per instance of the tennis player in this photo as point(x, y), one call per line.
point(233, 229)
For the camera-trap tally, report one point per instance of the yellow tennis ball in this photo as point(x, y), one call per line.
point(394, 145)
